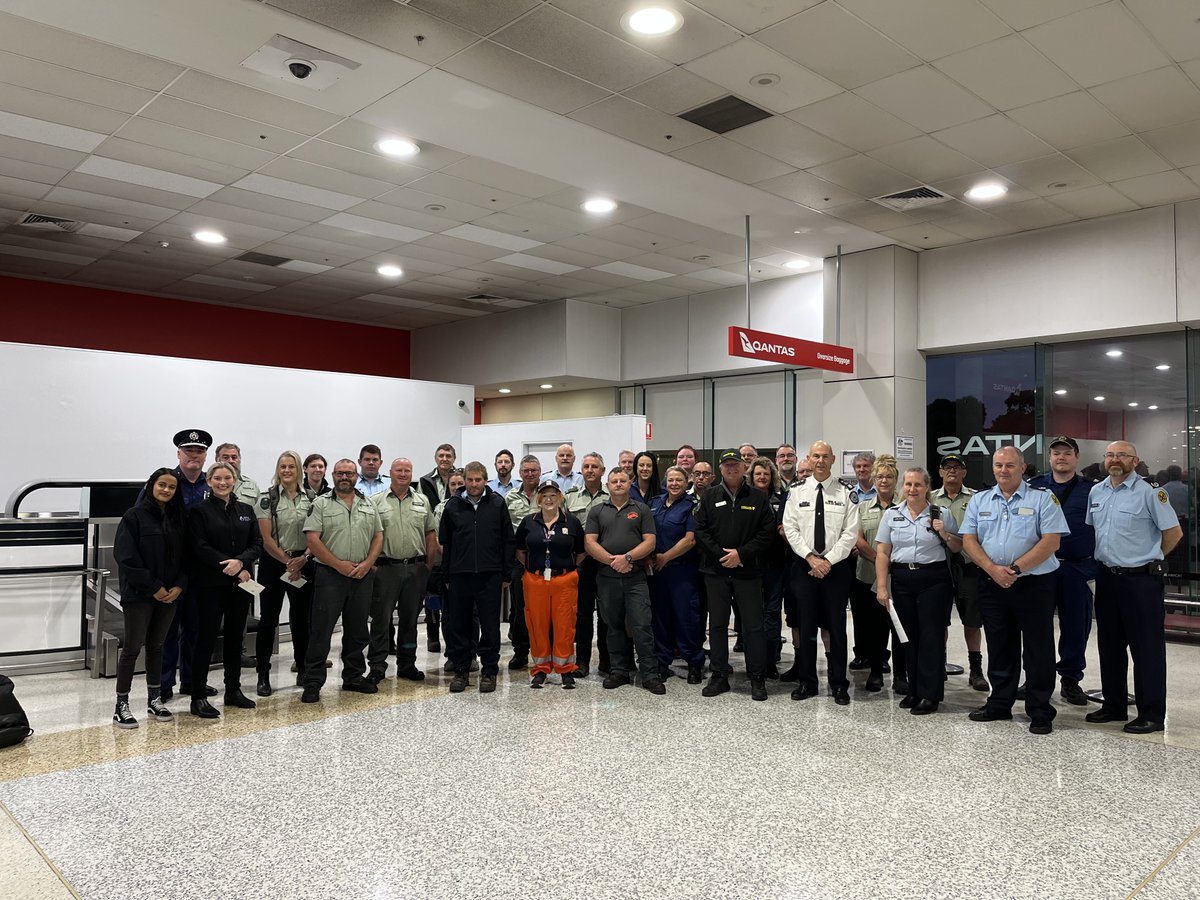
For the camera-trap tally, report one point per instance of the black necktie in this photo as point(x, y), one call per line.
point(819, 522)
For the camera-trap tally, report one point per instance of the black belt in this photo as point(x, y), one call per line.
point(1074, 559)
point(1147, 569)
point(554, 573)
point(915, 566)
point(387, 561)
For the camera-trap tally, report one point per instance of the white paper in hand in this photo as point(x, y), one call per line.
point(298, 582)
point(251, 587)
point(900, 632)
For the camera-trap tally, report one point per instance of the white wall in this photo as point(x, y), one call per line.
point(556, 405)
point(1187, 261)
point(749, 408)
point(676, 410)
point(607, 435)
point(83, 414)
point(500, 347)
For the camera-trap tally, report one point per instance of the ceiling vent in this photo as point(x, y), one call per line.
point(50, 223)
point(906, 201)
point(725, 114)
point(263, 259)
point(484, 299)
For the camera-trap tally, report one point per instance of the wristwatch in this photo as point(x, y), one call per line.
point(629, 558)
point(1015, 568)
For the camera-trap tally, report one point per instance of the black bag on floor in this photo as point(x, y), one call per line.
point(14, 724)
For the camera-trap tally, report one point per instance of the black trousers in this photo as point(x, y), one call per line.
point(270, 601)
point(518, 630)
point(1130, 614)
point(400, 588)
point(724, 592)
point(872, 625)
point(468, 595)
point(231, 604)
point(338, 596)
point(146, 625)
point(923, 598)
point(821, 603)
point(1021, 614)
point(585, 629)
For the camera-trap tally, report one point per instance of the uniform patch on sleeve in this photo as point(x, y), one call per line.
point(1162, 496)
point(264, 502)
point(1054, 497)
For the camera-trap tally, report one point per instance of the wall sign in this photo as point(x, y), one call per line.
point(790, 351)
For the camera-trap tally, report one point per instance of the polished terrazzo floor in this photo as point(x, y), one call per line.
point(417, 793)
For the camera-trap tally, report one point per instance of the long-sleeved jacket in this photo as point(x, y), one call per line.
point(150, 552)
point(477, 540)
point(218, 531)
point(744, 523)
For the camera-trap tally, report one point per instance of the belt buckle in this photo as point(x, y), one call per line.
point(912, 567)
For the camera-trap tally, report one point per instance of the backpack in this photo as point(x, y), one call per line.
point(14, 724)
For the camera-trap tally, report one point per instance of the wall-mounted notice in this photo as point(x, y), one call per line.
point(905, 447)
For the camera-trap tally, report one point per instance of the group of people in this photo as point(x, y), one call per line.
point(663, 560)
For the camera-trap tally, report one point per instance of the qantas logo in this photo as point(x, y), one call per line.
point(750, 346)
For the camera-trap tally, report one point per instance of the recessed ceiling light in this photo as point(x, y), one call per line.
point(1162, 367)
point(209, 237)
point(1133, 403)
point(799, 263)
point(397, 147)
point(545, 387)
point(766, 79)
point(1152, 406)
point(1114, 353)
point(390, 271)
point(1098, 399)
point(1061, 391)
point(652, 21)
point(506, 390)
point(599, 205)
point(989, 190)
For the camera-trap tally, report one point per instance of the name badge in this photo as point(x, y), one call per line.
point(804, 503)
point(546, 574)
point(720, 503)
point(751, 508)
point(1025, 511)
point(985, 514)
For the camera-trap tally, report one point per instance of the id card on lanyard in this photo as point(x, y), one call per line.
point(549, 536)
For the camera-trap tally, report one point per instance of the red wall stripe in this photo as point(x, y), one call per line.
point(68, 315)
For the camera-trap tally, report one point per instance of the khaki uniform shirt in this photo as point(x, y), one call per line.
point(870, 514)
point(405, 523)
point(958, 509)
point(520, 506)
point(246, 490)
point(579, 502)
point(287, 526)
point(346, 532)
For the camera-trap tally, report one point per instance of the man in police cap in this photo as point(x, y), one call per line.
point(1076, 567)
point(1012, 532)
point(1136, 529)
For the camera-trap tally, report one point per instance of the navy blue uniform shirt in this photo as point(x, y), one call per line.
point(1073, 498)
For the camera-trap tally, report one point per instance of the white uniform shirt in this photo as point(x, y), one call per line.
point(841, 519)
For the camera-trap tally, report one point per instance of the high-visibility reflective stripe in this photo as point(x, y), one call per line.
point(538, 660)
point(563, 660)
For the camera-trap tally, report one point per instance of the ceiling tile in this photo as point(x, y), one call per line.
point(1007, 73)
point(363, 225)
point(110, 187)
point(567, 221)
point(699, 33)
point(19, 187)
point(1098, 45)
point(675, 91)
point(869, 215)
point(164, 160)
point(736, 64)
point(523, 228)
point(60, 81)
point(602, 247)
point(732, 160)
point(481, 18)
point(1069, 121)
point(645, 241)
point(324, 177)
point(29, 129)
point(958, 187)
point(43, 154)
point(31, 171)
point(237, 234)
point(1022, 14)
point(1036, 213)
point(488, 198)
point(497, 175)
point(190, 143)
point(925, 98)
point(537, 263)
point(1153, 99)
point(1125, 157)
point(925, 159)
point(526, 79)
point(551, 36)
point(1172, 23)
point(445, 207)
point(397, 215)
point(491, 238)
point(865, 176)
point(1163, 187)
point(227, 126)
point(367, 165)
point(809, 190)
point(276, 206)
point(60, 110)
point(994, 141)
point(1180, 144)
point(294, 190)
point(931, 28)
point(1192, 172)
point(787, 140)
point(1040, 176)
point(562, 254)
point(148, 177)
point(629, 270)
point(1100, 200)
point(977, 226)
point(358, 135)
point(752, 15)
point(624, 118)
point(669, 264)
point(104, 203)
point(679, 229)
point(853, 121)
point(837, 45)
point(261, 106)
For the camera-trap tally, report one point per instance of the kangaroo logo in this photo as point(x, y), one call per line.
point(746, 345)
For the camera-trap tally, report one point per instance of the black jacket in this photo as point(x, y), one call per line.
point(428, 486)
point(218, 531)
point(745, 524)
point(479, 540)
point(150, 551)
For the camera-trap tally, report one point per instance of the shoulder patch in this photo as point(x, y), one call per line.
point(852, 497)
point(1053, 497)
point(264, 502)
point(1162, 496)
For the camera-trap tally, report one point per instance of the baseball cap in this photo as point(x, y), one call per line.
point(952, 458)
point(548, 485)
point(730, 456)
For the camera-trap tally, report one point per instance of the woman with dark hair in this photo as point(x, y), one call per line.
point(764, 475)
point(149, 550)
point(281, 513)
point(225, 543)
point(314, 474)
point(646, 483)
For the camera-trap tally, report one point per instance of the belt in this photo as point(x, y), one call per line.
point(1074, 559)
point(387, 561)
point(915, 566)
point(554, 573)
point(1131, 570)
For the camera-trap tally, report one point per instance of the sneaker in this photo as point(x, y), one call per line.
point(487, 684)
point(568, 681)
point(122, 717)
point(158, 712)
point(459, 683)
point(538, 680)
point(654, 685)
point(758, 688)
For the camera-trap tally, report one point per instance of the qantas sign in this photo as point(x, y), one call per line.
point(781, 348)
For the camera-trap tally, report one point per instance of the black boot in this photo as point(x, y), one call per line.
point(264, 684)
point(204, 709)
point(975, 661)
point(433, 619)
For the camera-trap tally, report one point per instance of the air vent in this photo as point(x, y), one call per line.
point(485, 299)
point(725, 114)
point(50, 223)
point(263, 259)
point(916, 198)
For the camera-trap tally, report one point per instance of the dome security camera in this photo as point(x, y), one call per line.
point(300, 68)
point(462, 404)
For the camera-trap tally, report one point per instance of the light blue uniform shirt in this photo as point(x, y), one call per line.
point(369, 487)
point(1008, 529)
point(911, 539)
point(564, 482)
point(1129, 520)
point(861, 496)
point(503, 489)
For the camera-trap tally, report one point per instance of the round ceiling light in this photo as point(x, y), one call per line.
point(1099, 399)
point(1162, 367)
point(1152, 406)
point(389, 271)
point(209, 237)
point(652, 21)
point(545, 387)
point(989, 190)
point(397, 147)
point(1061, 392)
point(599, 205)
point(1133, 403)
point(799, 263)
point(1114, 353)
point(506, 390)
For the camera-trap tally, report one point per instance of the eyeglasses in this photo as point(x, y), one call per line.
point(702, 474)
point(1118, 456)
point(345, 474)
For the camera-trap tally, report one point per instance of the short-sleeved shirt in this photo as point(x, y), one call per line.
point(957, 507)
point(1008, 529)
point(1073, 497)
point(246, 490)
point(563, 539)
point(672, 524)
point(369, 487)
point(346, 532)
point(519, 505)
point(287, 525)
point(870, 513)
point(579, 502)
point(565, 482)
point(503, 489)
point(913, 539)
point(620, 530)
point(1129, 520)
point(405, 522)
